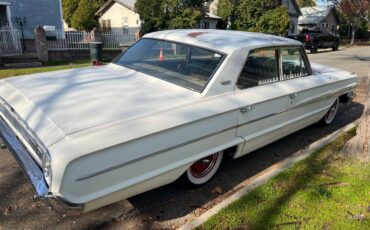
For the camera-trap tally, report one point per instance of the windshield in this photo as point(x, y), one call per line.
point(183, 65)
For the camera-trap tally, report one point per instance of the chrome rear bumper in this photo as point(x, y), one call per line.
point(24, 159)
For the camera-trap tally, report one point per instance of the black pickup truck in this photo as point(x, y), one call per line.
point(315, 39)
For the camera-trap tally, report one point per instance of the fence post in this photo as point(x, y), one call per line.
point(41, 46)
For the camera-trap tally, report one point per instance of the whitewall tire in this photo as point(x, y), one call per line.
point(204, 169)
point(330, 115)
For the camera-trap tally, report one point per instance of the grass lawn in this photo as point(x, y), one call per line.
point(51, 66)
point(325, 191)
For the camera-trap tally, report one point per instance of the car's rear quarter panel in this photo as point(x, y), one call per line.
point(166, 144)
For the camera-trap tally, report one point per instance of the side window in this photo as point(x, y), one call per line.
point(261, 68)
point(293, 63)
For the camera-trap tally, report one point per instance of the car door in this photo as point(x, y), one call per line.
point(308, 99)
point(262, 100)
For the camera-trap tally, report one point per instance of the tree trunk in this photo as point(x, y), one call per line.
point(358, 146)
point(349, 31)
point(353, 36)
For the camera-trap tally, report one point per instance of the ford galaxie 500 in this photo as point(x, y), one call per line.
point(169, 106)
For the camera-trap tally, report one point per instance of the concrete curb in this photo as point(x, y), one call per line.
point(267, 174)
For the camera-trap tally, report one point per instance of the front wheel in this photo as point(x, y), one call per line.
point(330, 115)
point(203, 170)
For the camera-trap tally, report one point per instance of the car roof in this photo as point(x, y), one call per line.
point(223, 40)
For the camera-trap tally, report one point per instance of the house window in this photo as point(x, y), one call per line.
point(324, 25)
point(125, 25)
point(333, 29)
point(107, 25)
point(292, 27)
point(204, 25)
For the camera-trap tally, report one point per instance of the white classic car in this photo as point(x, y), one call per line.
point(170, 106)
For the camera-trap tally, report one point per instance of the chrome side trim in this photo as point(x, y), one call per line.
point(170, 148)
point(323, 96)
point(28, 165)
point(338, 92)
point(151, 155)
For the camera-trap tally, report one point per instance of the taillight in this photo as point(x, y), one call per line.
point(307, 38)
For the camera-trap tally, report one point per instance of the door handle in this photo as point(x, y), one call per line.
point(247, 109)
point(293, 96)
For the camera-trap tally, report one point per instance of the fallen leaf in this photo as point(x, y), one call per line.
point(326, 226)
point(289, 223)
point(357, 217)
point(8, 211)
point(218, 190)
point(336, 184)
point(327, 174)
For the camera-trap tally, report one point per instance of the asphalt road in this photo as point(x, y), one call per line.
point(170, 206)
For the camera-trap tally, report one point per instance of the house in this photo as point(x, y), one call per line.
point(291, 5)
point(119, 16)
point(324, 17)
point(30, 13)
point(210, 21)
point(294, 14)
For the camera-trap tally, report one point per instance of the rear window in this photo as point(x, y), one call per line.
point(183, 65)
point(261, 68)
point(294, 65)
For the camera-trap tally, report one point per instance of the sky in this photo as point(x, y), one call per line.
point(321, 2)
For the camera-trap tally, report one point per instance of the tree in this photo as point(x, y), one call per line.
point(170, 14)
point(305, 3)
point(80, 14)
point(224, 10)
point(251, 15)
point(355, 11)
point(268, 23)
point(69, 7)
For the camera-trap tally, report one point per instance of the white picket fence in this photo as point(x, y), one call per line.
point(114, 41)
point(78, 40)
point(10, 42)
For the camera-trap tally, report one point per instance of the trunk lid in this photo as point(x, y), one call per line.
point(56, 104)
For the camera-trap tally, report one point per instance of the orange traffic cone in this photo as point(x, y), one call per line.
point(161, 57)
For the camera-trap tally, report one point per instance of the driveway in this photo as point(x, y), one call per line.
point(172, 205)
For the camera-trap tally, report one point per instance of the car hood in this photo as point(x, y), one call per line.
point(56, 104)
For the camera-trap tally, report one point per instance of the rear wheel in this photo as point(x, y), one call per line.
point(330, 115)
point(203, 170)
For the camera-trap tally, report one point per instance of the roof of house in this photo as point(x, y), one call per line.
point(315, 14)
point(130, 4)
point(223, 40)
point(212, 16)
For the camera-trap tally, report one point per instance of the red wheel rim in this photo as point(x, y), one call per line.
point(204, 166)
